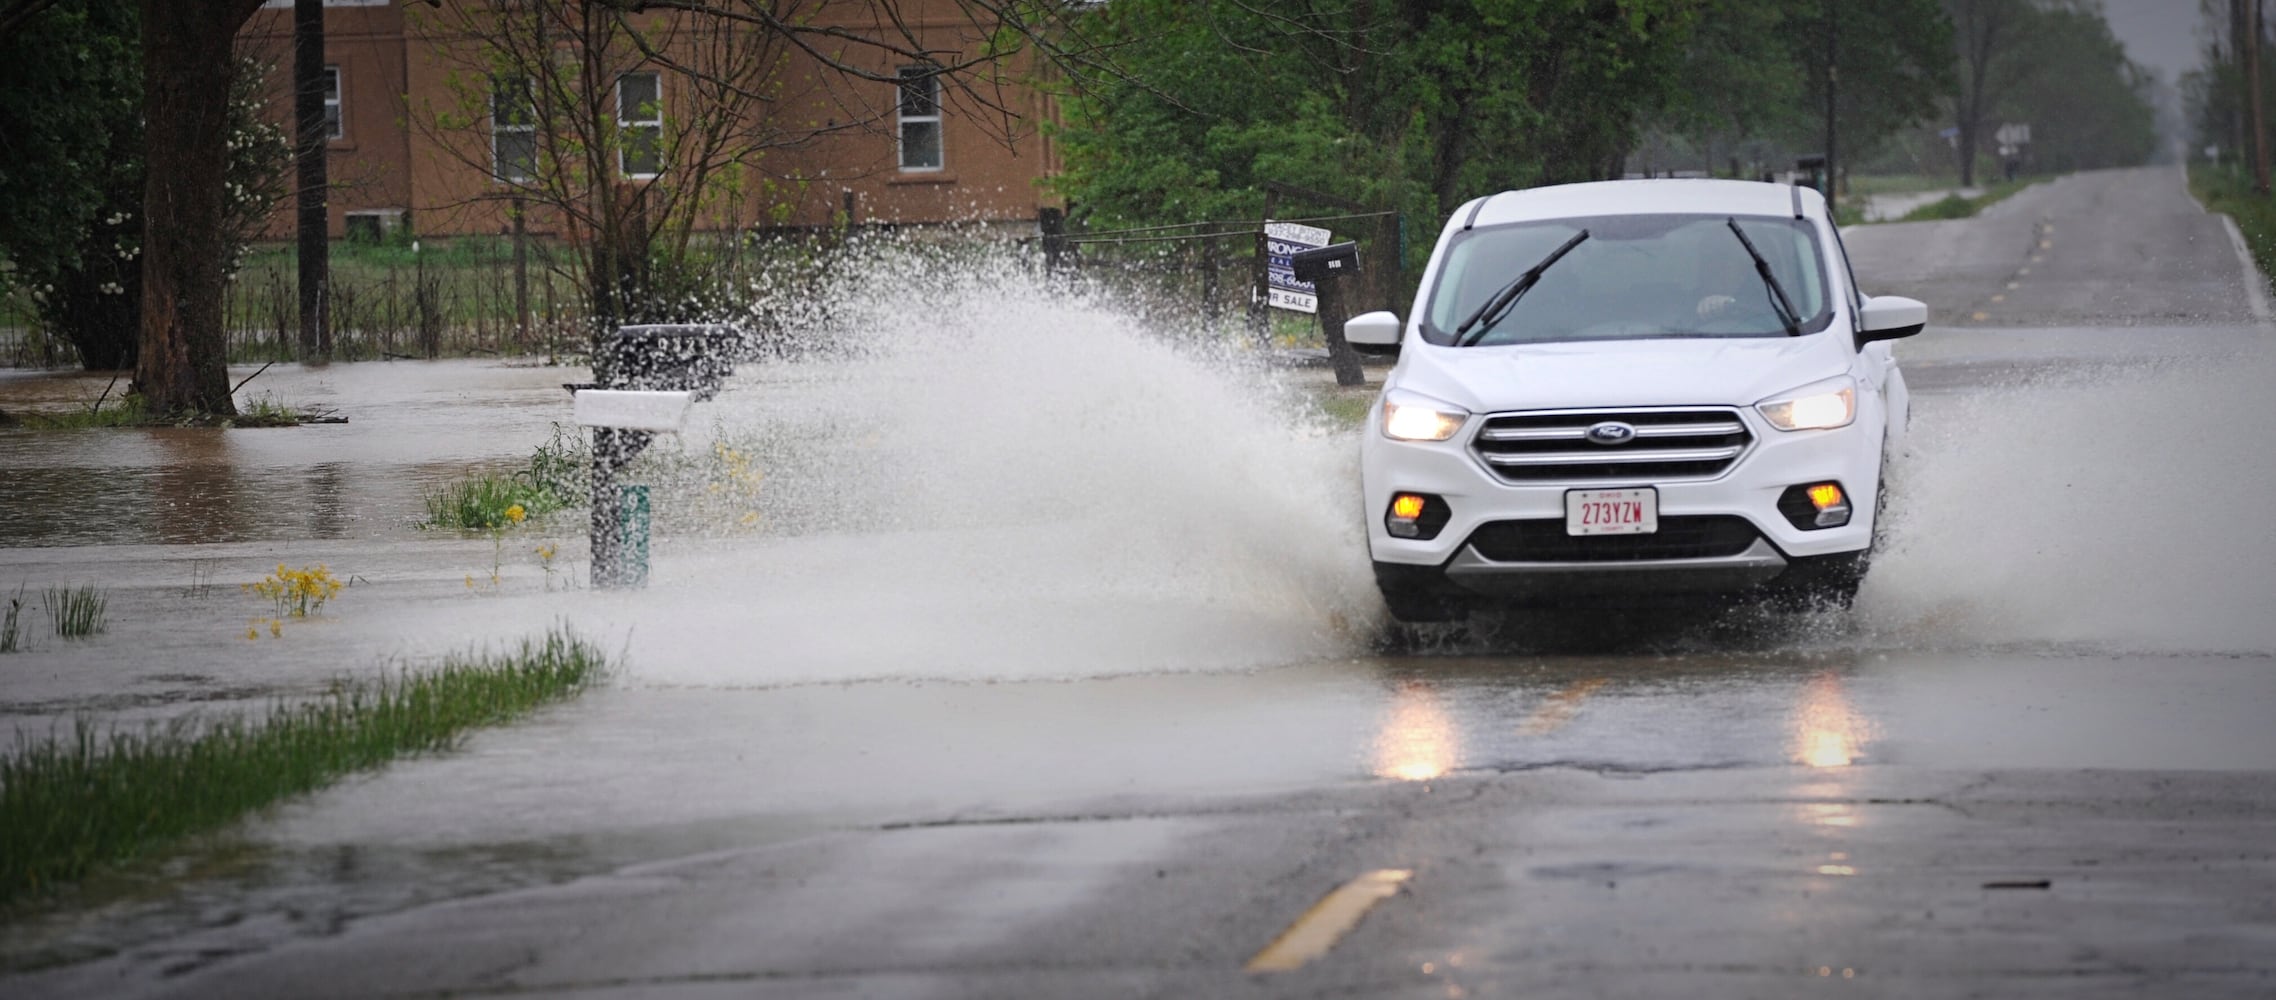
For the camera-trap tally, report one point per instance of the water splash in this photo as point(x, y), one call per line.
point(980, 478)
point(2121, 510)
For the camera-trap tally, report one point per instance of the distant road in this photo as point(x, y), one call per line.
point(2109, 248)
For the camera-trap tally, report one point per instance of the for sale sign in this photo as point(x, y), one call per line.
point(1282, 290)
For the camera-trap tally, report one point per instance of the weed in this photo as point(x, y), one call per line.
point(297, 593)
point(12, 624)
point(201, 581)
point(487, 502)
point(77, 612)
point(69, 804)
point(264, 411)
point(562, 467)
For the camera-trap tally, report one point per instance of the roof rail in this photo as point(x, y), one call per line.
point(1475, 208)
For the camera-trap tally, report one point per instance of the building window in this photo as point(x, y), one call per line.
point(920, 118)
point(332, 103)
point(513, 129)
point(639, 124)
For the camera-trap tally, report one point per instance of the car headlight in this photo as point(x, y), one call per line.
point(1818, 406)
point(1415, 418)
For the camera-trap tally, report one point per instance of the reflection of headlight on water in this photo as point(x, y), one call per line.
point(1827, 733)
point(1417, 742)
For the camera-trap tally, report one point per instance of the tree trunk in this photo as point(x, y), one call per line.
point(311, 138)
point(2259, 122)
point(187, 62)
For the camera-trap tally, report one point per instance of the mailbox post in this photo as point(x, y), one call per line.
point(649, 376)
point(1325, 268)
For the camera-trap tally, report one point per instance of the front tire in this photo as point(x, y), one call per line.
point(1418, 595)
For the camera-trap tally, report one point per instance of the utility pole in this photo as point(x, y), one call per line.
point(311, 137)
point(2259, 123)
point(1833, 75)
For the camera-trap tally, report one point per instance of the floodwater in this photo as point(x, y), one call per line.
point(1006, 551)
point(412, 427)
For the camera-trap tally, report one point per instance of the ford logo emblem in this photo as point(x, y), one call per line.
point(1611, 432)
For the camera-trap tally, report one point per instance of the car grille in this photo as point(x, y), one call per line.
point(1545, 540)
point(1553, 446)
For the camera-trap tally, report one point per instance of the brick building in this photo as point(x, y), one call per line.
point(426, 132)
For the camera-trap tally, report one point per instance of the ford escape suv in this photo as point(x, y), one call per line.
point(1627, 391)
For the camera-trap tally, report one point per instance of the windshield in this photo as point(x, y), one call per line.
point(1636, 276)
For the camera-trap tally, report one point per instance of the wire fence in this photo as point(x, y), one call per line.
point(477, 295)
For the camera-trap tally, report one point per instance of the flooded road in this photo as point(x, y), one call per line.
point(1041, 660)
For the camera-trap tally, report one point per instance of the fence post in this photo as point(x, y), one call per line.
point(1260, 320)
point(521, 272)
point(1052, 222)
point(1209, 264)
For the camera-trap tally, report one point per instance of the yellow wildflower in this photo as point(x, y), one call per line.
point(276, 628)
point(515, 513)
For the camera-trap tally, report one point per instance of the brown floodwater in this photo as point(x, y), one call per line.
point(411, 427)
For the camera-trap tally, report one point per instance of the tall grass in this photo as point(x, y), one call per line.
point(69, 804)
point(77, 612)
point(12, 623)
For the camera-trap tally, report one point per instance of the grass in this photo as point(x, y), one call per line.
point(1955, 206)
point(72, 804)
point(555, 477)
point(2228, 190)
point(1862, 186)
point(487, 502)
point(77, 612)
point(118, 411)
point(12, 624)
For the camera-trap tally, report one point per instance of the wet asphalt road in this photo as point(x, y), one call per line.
point(2037, 762)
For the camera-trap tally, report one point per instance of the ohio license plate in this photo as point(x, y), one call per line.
point(1612, 512)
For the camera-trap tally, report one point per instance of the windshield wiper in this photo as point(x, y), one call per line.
point(1786, 313)
point(1506, 298)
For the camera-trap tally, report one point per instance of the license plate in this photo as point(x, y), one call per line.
point(1612, 512)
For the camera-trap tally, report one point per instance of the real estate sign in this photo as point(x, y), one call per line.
point(1282, 290)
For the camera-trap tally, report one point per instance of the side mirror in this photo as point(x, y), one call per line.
point(1374, 333)
point(1890, 317)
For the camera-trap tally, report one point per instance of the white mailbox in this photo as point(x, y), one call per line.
point(632, 409)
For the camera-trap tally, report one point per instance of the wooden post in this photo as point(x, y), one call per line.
point(521, 270)
point(1209, 264)
point(1260, 320)
point(1052, 223)
point(1332, 317)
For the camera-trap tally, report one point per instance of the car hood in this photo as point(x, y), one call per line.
point(1659, 372)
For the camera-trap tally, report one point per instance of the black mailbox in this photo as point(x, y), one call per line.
point(1336, 260)
point(692, 358)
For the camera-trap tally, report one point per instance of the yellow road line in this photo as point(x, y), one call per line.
point(1559, 708)
point(1328, 920)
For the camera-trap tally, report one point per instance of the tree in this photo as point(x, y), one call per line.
point(1417, 105)
point(310, 139)
point(2089, 105)
point(73, 181)
point(188, 67)
point(1993, 60)
point(1754, 72)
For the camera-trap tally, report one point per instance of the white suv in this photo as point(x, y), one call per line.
point(1625, 390)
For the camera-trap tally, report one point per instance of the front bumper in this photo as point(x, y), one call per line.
point(1477, 500)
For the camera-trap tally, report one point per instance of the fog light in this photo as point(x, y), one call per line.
point(1415, 515)
point(1815, 505)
